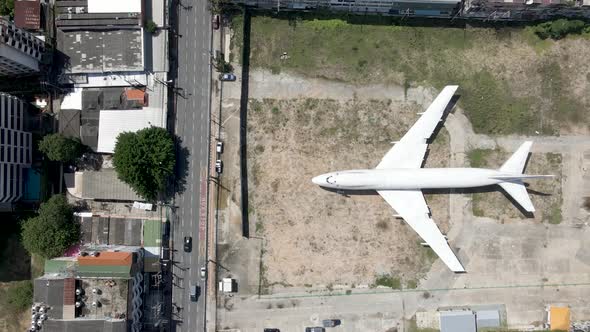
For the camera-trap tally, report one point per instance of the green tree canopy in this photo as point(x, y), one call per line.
point(7, 7)
point(57, 147)
point(559, 28)
point(144, 160)
point(54, 230)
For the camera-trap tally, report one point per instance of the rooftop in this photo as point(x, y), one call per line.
point(112, 123)
point(457, 321)
point(111, 230)
point(103, 184)
point(100, 51)
point(559, 318)
point(114, 6)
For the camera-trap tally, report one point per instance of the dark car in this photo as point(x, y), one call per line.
point(195, 292)
point(272, 330)
point(215, 21)
point(188, 244)
point(315, 329)
point(219, 166)
point(331, 322)
point(227, 77)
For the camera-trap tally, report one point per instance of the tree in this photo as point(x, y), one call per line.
point(144, 160)
point(53, 230)
point(19, 295)
point(7, 8)
point(57, 147)
point(151, 27)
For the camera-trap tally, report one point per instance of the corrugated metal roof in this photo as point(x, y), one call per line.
point(50, 292)
point(27, 14)
point(114, 6)
point(457, 321)
point(59, 266)
point(106, 258)
point(487, 318)
point(105, 184)
point(109, 271)
point(112, 123)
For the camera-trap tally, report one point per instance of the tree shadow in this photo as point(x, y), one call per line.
point(181, 168)
point(244, 123)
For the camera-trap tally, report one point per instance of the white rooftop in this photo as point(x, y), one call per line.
point(113, 122)
point(114, 6)
point(73, 100)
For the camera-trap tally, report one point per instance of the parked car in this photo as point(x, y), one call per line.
point(272, 330)
point(203, 272)
point(227, 77)
point(188, 244)
point(219, 166)
point(315, 329)
point(215, 21)
point(219, 147)
point(330, 322)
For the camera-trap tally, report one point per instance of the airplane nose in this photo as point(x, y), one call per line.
point(318, 180)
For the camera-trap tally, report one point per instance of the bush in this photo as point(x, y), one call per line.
point(53, 231)
point(144, 160)
point(388, 281)
point(559, 29)
point(57, 147)
point(151, 26)
point(19, 295)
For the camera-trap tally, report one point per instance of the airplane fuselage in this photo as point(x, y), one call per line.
point(409, 178)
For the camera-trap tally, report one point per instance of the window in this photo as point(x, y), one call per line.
point(2, 136)
point(8, 137)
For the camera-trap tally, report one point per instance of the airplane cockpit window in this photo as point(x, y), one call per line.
point(330, 179)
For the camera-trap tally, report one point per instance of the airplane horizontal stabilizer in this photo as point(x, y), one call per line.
point(517, 190)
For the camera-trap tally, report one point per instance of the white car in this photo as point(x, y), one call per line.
point(219, 166)
point(219, 147)
point(203, 272)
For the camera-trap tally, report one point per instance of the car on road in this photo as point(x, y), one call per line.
point(219, 147)
point(188, 244)
point(203, 272)
point(272, 330)
point(330, 322)
point(315, 329)
point(227, 77)
point(215, 21)
point(219, 166)
point(195, 292)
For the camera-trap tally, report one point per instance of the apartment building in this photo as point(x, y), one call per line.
point(20, 51)
point(15, 148)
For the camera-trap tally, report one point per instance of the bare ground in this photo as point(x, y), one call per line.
point(316, 237)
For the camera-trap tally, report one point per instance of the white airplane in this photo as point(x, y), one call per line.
point(399, 178)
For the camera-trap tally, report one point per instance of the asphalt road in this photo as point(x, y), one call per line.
point(192, 129)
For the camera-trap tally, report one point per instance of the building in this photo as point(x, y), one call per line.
point(15, 148)
point(27, 14)
point(457, 321)
point(404, 8)
point(20, 51)
point(100, 290)
point(559, 318)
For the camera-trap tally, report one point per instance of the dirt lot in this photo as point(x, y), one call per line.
point(545, 193)
point(316, 237)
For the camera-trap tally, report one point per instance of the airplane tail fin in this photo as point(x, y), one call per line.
point(514, 169)
point(515, 164)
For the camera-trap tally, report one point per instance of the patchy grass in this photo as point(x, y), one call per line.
point(493, 67)
point(412, 284)
point(388, 281)
point(477, 157)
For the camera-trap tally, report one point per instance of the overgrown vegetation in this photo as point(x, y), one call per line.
point(19, 296)
point(492, 97)
point(53, 230)
point(7, 8)
point(558, 29)
point(388, 281)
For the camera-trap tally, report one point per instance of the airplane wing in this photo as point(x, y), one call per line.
point(409, 151)
point(411, 206)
